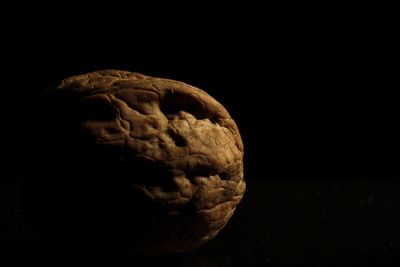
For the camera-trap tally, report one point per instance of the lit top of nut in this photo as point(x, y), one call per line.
point(160, 119)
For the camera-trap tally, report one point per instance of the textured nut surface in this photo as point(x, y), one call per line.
point(177, 149)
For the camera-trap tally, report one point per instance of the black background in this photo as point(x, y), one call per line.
point(282, 70)
point(320, 150)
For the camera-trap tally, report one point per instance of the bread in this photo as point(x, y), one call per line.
point(157, 159)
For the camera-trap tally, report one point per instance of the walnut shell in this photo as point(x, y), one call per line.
point(157, 159)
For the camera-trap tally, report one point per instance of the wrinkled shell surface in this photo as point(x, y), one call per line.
point(177, 148)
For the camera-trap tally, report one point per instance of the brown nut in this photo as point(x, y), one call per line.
point(158, 160)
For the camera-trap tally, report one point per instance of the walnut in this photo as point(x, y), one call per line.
point(153, 164)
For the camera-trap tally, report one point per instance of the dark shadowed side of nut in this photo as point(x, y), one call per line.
point(122, 159)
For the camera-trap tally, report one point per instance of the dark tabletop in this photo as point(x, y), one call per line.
point(281, 222)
